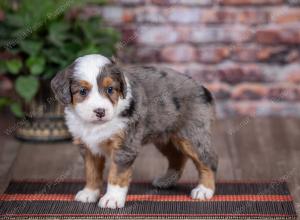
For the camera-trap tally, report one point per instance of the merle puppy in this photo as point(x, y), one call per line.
point(114, 110)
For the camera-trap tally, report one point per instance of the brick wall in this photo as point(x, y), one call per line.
point(246, 51)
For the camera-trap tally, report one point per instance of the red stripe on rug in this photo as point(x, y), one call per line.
point(156, 198)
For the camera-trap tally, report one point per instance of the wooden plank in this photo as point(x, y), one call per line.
point(226, 169)
point(9, 150)
point(48, 161)
point(292, 132)
point(233, 127)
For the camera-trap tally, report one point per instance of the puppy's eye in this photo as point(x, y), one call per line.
point(110, 90)
point(83, 91)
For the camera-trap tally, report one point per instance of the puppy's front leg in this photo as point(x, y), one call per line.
point(118, 183)
point(94, 165)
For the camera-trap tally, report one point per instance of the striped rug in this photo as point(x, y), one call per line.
point(239, 200)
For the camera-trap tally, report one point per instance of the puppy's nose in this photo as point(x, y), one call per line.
point(100, 112)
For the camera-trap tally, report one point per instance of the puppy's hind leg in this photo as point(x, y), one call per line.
point(176, 162)
point(205, 163)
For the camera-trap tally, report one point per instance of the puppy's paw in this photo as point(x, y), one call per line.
point(201, 192)
point(115, 197)
point(87, 195)
point(167, 180)
point(112, 202)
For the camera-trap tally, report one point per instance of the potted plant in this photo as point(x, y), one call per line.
point(37, 39)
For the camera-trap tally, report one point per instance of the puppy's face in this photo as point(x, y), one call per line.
point(93, 86)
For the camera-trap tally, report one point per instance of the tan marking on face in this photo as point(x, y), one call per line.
point(107, 82)
point(85, 84)
point(75, 88)
point(207, 177)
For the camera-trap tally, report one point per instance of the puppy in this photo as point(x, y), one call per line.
point(115, 110)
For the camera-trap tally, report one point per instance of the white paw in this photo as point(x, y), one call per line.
point(112, 202)
point(87, 195)
point(201, 192)
point(115, 197)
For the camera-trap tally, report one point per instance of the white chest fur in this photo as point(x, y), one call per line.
point(93, 134)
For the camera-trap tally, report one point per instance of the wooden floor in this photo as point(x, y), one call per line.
point(249, 149)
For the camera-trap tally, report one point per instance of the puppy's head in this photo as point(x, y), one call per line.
point(92, 86)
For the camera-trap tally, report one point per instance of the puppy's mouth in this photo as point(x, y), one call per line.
point(100, 121)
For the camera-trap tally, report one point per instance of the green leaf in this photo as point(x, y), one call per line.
point(4, 101)
point(4, 4)
point(69, 49)
point(14, 20)
point(16, 109)
point(31, 47)
point(59, 27)
point(53, 56)
point(90, 49)
point(3, 68)
point(14, 66)
point(58, 33)
point(49, 74)
point(36, 65)
point(106, 51)
point(27, 87)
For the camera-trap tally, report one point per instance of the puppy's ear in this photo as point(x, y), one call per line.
point(122, 83)
point(60, 85)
